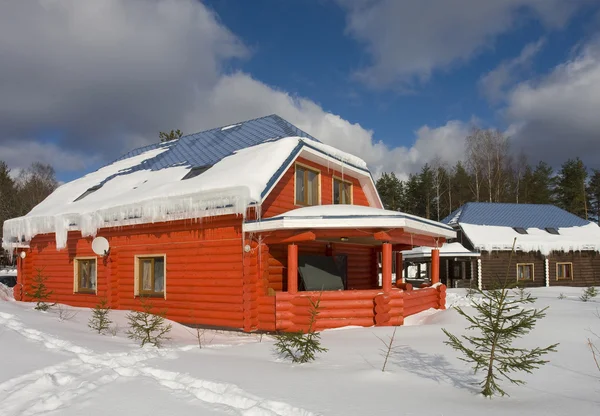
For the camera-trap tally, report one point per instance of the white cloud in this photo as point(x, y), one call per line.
point(20, 154)
point(111, 74)
point(495, 83)
point(556, 117)
point(239, 96)
point(407, 40)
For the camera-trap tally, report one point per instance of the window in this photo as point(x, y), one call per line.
point(564, 271)
point(88, 192)
point(307, 186)
point(520, 230)
point(342, 191)
point(85, 275)
point(196, 171)
point(551, 230)
point(525, 271)
point(150, 275)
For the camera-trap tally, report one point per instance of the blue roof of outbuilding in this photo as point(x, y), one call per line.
point(208, 147)
point(514, 215)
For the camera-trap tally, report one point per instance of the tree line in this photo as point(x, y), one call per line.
point(491, 172)
point(21, 192)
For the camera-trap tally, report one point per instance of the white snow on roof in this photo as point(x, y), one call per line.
point(455, 249)
point(145, 196)
point(495, 238)
point(350, 216)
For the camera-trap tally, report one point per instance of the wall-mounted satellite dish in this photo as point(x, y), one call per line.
point(100, 246)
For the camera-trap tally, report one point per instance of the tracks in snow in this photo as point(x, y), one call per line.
point(57, 386)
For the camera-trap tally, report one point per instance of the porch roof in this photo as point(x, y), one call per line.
point(350, 217)
point(455, 249)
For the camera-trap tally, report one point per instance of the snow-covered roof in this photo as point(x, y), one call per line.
point(243, 162)
point(350, 216)
point(514, 215)
point(495, 238)
point(454, 249)
point(537, 227)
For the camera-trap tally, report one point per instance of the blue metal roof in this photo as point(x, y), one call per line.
point(514, 215)
point(208, 147)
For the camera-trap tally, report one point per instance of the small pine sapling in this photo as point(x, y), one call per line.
point(389, 347)
point(300, 347)
point(588, 294)
point(147, 327)
point(40, 292)
point(561, 296)
point(501, 319)
point(99, 321)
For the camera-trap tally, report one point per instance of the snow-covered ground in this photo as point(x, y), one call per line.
point(55, 367)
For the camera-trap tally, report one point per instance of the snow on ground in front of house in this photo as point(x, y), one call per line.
point(59, 367)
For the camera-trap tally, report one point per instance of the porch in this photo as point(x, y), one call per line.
point(346, 262)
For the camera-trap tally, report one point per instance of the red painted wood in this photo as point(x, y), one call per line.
point(282, 198)
point(435, 266)
point(292, 269)
point(386, 268)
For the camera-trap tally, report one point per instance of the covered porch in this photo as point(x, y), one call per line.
point(344, 257)
point(457, 265)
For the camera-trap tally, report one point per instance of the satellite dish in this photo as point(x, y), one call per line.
point(100, 246)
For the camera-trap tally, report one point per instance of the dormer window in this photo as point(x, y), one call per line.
point(520, 230)
point(307, 186)
point(342, 191)
point(89, 191)
point(551, 230)
point(196, 171)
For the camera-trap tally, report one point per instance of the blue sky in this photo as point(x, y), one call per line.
point(396, 82)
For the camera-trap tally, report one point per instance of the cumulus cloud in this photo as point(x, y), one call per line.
point(20, 154)
point(407, 40)
point(109, 75)
point(495, 83)
point(102, 71)
point(239, 96)
point(556, 116)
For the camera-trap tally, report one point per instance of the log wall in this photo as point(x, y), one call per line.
point(494, 266)
point(586, 268)
point(205, 265)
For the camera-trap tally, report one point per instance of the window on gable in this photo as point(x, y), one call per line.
point(551, 230)
point(196, 171)
point(307, 186)
point(564, 271)
point(342, 191)
point(89, 191)
point(520, 230)
point(150, 276)
point(525, 271)
point(85, 275)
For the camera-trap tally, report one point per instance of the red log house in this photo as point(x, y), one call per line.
point(235, 227)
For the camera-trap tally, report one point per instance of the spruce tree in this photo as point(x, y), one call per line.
point(40, 292)
point(571, 190)
point(594, 192)
point(147, 327)
point(500, 319)
point(300, 347)
point(99, 320)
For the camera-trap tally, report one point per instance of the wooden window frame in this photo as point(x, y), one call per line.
point(333, 184)
point(532, 272)
point(138, 292)
point(314, 170)
point(564, 263)
point(76, 272)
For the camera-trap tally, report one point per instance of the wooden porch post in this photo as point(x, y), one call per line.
point(386, 268)
point(435, 266)
point(292, 269)
point(399, 267)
